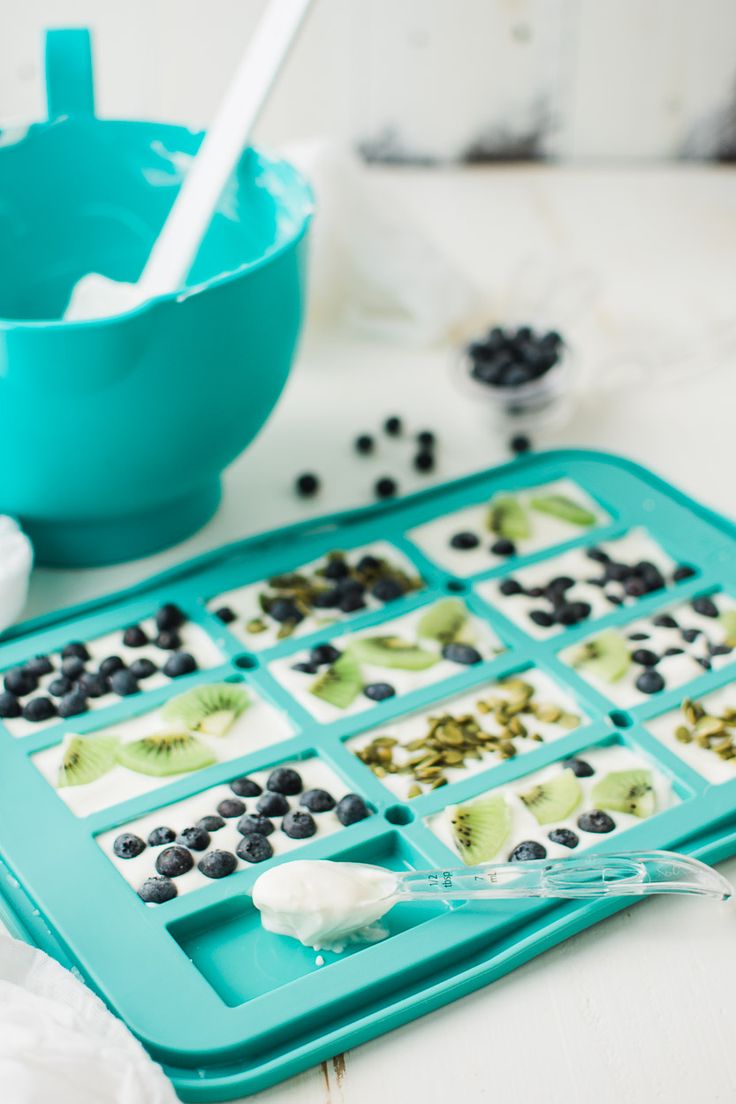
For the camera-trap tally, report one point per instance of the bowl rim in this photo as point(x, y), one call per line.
point(301, 184)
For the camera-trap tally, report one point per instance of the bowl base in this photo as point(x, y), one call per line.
point(113, 540)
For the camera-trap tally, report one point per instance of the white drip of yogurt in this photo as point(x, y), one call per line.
point(325, 905)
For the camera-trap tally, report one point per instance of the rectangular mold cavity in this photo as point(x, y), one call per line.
point(434, 537)
point(241, 960)
point(406, 730)
point(259, 725)
point(714, 757)
point(692, 635)
point(302, 582)
point(401, 680)
point(612, 755)
point(637, 546)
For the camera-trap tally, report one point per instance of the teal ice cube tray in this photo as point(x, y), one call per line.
point(228, 1008)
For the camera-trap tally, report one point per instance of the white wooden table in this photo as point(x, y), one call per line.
point(641, 1008)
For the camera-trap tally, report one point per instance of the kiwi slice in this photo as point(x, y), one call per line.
point(392, 651)
point(165, 753)
point(444, 621)
point(480, 828)
point(626, 791)
point(85, 759)
point(209, 709)
point(727, 622)
point(564, 508)
point(554, 799)
point(606, 656)
point(508, 518)
point(340, 684)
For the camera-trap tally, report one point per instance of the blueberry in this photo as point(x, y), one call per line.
point(143, 668)
point(673, 651)
point(706, 607)
point(94, 685)
point(254, 848)
point(719, 649)
point(386, 487)
point(245, 787)
point(298, 825)
point(665, 621)
point(272, 804)
point(317, 801)
point(217, 864)
point(326, 599)
point(39, 709)
point(635, 587)
point(559, 584)
point(284, 780)
point(393, 426)
point(195, 838)
point(387, 590)
point(211, 823)
point(179, 663)
point(39, 666)
point(503, 547)
point(110, 665)
point(134, 637)
point(614, 599)
point(335, 568)
point(169, 616)
point(231, 807)
point(650, 682)
point(284, 609)
point(251, 822)
point(72, 667)
point(424, 460)
point(638, 636)
point(645, 658)
point(306, 484)
point(225, 614)
point(127, 846)
point(565, 837)
point(169, 640)
point(157, 890)
point(690, 635)
point(368, 563)
point(516, 376)
point(702, 660)
point(616, 572)
point(597, 554)
point(20, 682)
point(157, 837)
point(324, 653)
point(76, 648)
point(579, 767)
point(305, 668)
point(426, 438)
point(350, 809)
point(596, 821)
point(510, 586)
point(9, 705)
point(174, 861)
point(60, 686)
point(379, 691)
point(364, 444)
point(461, 653)
point(542, 618)
point(123, 683)
point(72, 704)
point(464, 541)
point(683, 571)
point(527, 851)
point(520, 443)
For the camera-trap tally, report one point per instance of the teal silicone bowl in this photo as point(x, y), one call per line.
point(115, 432)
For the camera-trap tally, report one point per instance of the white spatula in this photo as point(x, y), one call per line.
point(97, 296)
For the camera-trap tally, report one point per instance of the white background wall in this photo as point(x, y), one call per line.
point(414, 79)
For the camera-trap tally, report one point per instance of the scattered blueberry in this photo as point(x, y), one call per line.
point(72, 704)
point(179, 663)
point(39, 709)
point(284, 780)
point(9, 705)
point(134, 637)
point(251, 822)
point(195, 838)
point(168, 640)
point(231, 807)
point(254, 848)
point(110, 665)
point(542, 618)
point(169, 616)
point(684, 571)
point(638, 636)
point(305, 668)
point(123, 683)
point(157, 890)
point(510, 586)
point(335, 568)
point(364, 444)
point(317, 801)
point(39, 666)
point(706, 607)
point(385, 487)
point(614, 599)
point(424, 460)
point(650, 682)
point(94, 685)
point(572, 613)
point(272, 804)
point(217, 864)
point(704, 662)
point(76, 648)
point(174, 861)
point(157, 837)
point(719, 649)
point(665, 621)
point(298, 825)
point(226, 615)
point(284, 609)
point(596, 821)
point(426, 438)
point(503, 547)
point(20, 682)
point(461, 653)
point(307, 484)
point(645, 657)
point(464, 541)
point(324, 653)
point(597, 554)
point(211, 823)
point(690, 635)
point(143, 668)
point(350, 809)
point(245, 787)
point(520, 443)
point(565, 837)
point(127, 846)
point(579, 767)
point(527, 851)
point(674, 651)
point(60, 686)
point(379, 691)
point(387, 590)
point(72, 667)
point(393, 426)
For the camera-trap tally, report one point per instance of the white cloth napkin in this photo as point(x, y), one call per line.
point(60, 1045)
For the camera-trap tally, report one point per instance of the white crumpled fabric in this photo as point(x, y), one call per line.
point(16, 560)
point(60, 1045)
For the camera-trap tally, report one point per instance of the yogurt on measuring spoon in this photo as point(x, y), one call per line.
point(325, 905)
